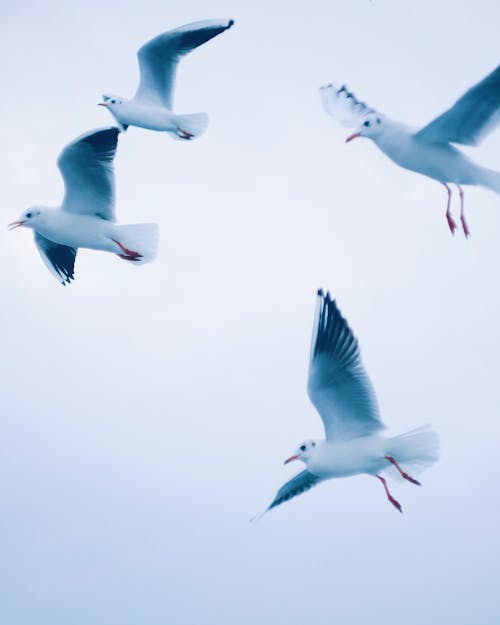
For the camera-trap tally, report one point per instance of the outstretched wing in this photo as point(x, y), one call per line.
point(338, 385)
point(86, 165)
point(296, 486)
point(472, 117)
point(344, 106)
point(59, 259)
point(159, 57)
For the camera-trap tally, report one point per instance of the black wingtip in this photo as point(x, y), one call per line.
point(231, 23)
point(320, 293)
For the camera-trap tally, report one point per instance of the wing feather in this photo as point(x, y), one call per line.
point(158, 58)
point(86, 165)
point(296, 486)
point(338, 385)
point(471, 118)
point(344, 106)
point(59, 259)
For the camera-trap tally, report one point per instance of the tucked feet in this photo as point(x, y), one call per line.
point(183, 134)
point(127, 254)
point(401, 472)
point(394, 502)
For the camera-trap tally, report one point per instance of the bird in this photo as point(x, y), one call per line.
point(151, 107)
point(86, 216)
point(341, 392)
point(429, 150)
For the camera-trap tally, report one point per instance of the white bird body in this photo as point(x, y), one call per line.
point(441, 161)
point(78, 230)
point(430, 150)
point(151, 107)
point(341, 392)
point(86, 217)
point(132, 113)
point(346, 458)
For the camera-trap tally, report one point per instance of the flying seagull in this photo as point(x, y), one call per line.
point(86, 216)
point(429, 150)
point(151, 107)
point(341, 392)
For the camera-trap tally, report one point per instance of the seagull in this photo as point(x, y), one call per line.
point(151, 107)
point(86, 216)
point(341, 392)
point(429, 150)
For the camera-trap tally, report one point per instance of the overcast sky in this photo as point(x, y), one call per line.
point(146, 411)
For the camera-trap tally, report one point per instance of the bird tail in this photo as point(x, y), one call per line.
point(490, 179)
point(190, 126)
point(137, 242)
point(414, 451)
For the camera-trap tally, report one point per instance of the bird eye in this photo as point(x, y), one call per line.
point(366, 123)
point(302, 448)
point(28, 215)
point(113, 101)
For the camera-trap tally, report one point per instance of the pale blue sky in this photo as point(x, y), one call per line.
point(147, 411)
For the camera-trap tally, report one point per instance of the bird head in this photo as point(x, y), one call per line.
point(111, 102)
point(28, 219)
point(371, 126)
point(304, 451)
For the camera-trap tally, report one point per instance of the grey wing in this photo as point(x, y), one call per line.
point(471, 118)
point(158, 58)
point(343, 105)
point(59, 259)
point(86, 165)
point(296, 486)
point(338, 385)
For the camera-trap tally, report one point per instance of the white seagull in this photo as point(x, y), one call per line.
point(151, 107)
point(86, 216)
point(429, 150)
point(341, 392)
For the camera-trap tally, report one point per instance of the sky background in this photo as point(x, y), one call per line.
point(146, 411)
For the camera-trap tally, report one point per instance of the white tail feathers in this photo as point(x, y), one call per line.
point(190, 126)
point(414, 451)
point(137, 242)
point(490, 179)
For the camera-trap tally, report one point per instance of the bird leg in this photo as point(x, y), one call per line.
point(128, 254)
point(395, 503)
point(401, 472)
point(451, 223)
point(462, 214)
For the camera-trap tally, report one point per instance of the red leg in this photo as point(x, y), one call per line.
point(401, 472)
point(451, 223)
point(395, 503)
point(128, 254)
point(462, 214)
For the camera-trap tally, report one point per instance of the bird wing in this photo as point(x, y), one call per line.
point(296, 486)
point(471, 118)
point(86, 165)
point(59, 259)
point(158, 58)
point(343, 105)
point(338, 385)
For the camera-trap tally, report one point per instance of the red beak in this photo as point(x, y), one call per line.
point(354, 136)
point(15, 224)
point(290, 459)
point(102, 104)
